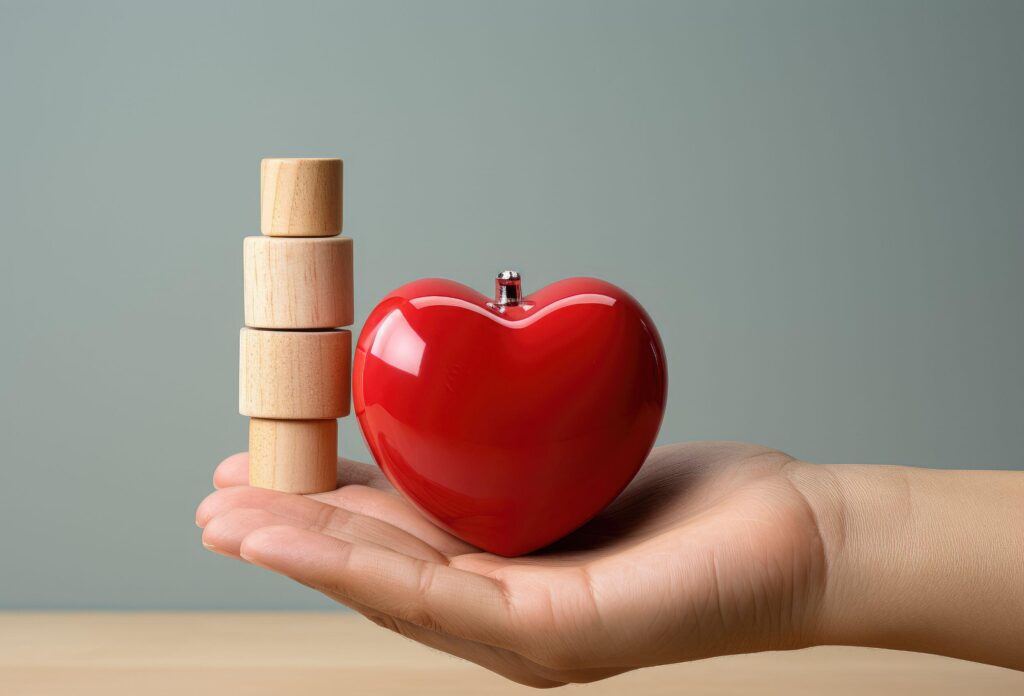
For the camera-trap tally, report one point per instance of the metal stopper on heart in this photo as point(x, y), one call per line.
point(508, 289)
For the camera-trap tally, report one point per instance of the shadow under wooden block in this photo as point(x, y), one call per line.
point(295, 375)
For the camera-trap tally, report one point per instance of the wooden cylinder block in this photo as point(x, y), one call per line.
point(298, 283)
point(294, 456)
point(300, 197)
point(294, 374)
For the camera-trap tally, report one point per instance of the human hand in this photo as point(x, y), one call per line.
point(712, 549)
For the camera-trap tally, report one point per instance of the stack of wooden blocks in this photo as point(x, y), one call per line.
point(295, 361)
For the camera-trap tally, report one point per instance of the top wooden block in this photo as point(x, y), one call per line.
point(300, 197)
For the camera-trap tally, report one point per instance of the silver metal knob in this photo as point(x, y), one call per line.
point(508, 289)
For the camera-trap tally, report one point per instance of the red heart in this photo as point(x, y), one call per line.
point(509, 425)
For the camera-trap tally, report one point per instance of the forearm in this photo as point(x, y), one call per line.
point(923, 560)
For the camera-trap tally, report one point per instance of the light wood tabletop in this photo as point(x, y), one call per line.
point(340, 653)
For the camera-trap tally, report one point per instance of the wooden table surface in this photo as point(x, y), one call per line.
point(337, 653)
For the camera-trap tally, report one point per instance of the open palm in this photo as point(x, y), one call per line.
point(711, 550)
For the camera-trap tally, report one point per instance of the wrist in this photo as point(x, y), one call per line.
point(920, 559)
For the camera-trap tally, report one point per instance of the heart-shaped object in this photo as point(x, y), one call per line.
point(510, 422)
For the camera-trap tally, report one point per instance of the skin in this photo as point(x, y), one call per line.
point(715, 548)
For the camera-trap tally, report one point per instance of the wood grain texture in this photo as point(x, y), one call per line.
point(327, 654)
point(297, 283)
point(300, 197)
point(293, 456)
point(294, 374)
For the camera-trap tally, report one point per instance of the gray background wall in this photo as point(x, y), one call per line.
point(822, 205)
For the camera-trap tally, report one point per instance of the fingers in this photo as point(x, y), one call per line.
point(395, 511)
point(429, 595)
point(364, 490)
point(300, 512)
point(224, 534)
point(234, 471)
point(365, 503)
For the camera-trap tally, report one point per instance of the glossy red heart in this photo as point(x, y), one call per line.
point(509, 426)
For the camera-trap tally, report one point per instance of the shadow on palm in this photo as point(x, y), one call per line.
point(677, 483)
